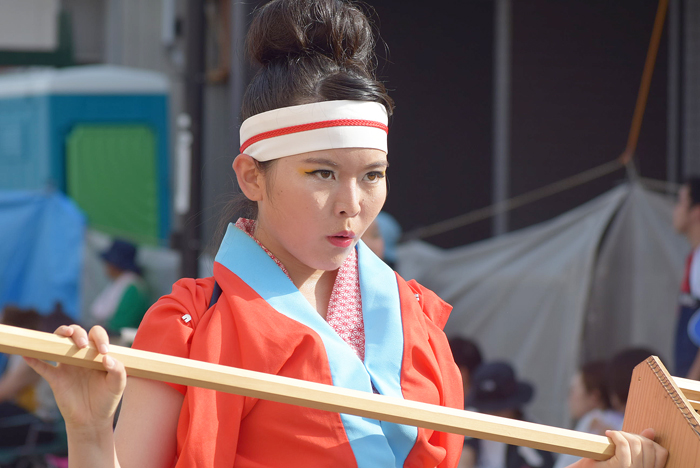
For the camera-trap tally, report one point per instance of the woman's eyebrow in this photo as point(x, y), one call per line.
point(382, 164)
point(329, 162)
point(326, 162)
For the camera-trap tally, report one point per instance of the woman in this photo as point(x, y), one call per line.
point(124, 302)
point(299, 296)
point(589, 404)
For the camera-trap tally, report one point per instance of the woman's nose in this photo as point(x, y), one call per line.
point(347, 202)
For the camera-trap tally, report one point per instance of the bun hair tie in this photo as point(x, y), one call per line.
point(314, 127)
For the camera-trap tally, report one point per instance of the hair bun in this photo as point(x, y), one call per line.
point(311, 51)
point(286, 31)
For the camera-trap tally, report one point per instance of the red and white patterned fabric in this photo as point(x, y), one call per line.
point(248, 226)
point(344, 313)
point(345, 306)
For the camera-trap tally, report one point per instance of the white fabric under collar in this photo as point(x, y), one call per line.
point(315, 127)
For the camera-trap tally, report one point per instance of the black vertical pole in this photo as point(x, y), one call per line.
point(237, 75)
point(194, 90)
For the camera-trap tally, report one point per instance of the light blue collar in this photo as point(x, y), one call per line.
point(384, 344)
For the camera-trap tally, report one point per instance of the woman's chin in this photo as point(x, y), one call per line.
point(332, 263)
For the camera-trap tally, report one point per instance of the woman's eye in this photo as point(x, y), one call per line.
point(322, 174)
point(374, 176)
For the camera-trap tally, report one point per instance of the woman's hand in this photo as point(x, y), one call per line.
point(631, 451)
point(87, 398)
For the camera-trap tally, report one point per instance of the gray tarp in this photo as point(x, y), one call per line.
point(588, 283)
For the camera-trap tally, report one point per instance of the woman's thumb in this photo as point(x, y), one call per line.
point(42, 368)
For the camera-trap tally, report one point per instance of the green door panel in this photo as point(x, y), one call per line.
point(112, 175)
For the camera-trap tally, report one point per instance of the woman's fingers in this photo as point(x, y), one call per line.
point(116, 375)
point(76, 332)
point(99, 336)
point(638, 451)
point(623, 451)
point(661, 457)
point(86, 397)
point(660, 453)
point(42, 368)
point(81, 338)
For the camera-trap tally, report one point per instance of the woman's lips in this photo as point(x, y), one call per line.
point(342, 239)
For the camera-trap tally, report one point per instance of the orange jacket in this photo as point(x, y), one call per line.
point(218, 430)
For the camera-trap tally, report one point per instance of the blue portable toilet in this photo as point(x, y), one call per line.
point(98, 133)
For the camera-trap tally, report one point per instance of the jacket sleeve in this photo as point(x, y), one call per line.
point(168, 325)
point(437, 310)
point(431, 357)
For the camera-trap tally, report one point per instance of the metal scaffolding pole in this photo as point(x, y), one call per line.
point(237, 80)
point(501, 112)
point(194, 90)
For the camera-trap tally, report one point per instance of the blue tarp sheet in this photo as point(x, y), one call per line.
point(41, 248)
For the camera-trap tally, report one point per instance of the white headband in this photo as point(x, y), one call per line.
point(313, 127)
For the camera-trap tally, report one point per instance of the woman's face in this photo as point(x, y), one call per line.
point(581, 401)
point(316, 206)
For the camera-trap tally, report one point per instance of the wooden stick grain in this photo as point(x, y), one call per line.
point(308, 394)
point(690, 388)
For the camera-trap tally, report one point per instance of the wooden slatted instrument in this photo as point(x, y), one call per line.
point(656, 399)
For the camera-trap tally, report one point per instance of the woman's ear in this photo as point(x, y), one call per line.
point(249, 177)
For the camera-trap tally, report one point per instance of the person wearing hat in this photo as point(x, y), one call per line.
point(467, 357)
point(496, 391)
point(125, 301)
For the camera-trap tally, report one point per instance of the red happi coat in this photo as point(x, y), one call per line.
point(219, 430)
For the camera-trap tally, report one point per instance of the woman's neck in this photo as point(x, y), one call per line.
point(317, 289)
point(315, 285)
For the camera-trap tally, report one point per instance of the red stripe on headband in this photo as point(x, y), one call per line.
point(313, 126)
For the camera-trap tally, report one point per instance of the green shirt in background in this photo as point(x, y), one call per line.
point(131, 309)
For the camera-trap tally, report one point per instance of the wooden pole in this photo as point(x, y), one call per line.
point(308, 394)
point(644, 86)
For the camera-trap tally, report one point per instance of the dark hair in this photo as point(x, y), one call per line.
point(466, 353)
point(56, 318)
point(18, 317)
point(693, 184)
point(311, 51)
point(593, 375)
point(307, 51)
point(620, 368)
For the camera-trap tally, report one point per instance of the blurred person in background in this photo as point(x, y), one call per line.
point(589, 405)
point(467, 357)
point(495, 390)
point(124, 302)
point(26, 400)
point(619, 374)
point(382, 237)
point(686, 221)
